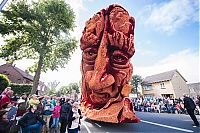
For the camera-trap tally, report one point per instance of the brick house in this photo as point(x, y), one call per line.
point(167, 84)
point(19, 76)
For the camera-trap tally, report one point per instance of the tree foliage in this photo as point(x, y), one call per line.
point(72, 87)
point(135, 82)
point(40, 31)
point(4, 82)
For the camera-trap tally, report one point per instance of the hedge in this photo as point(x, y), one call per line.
point(4, 82)
point(21, 88)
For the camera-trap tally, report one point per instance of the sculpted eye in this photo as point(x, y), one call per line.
point(90, 52)
point(89, 55)
point(119, 57)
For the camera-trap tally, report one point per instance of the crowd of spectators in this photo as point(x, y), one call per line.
point(27, 113)
point(163, 105)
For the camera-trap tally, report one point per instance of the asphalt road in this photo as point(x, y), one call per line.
point(150, 123)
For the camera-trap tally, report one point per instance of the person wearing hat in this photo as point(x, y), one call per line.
point(6, 90)
point(190, 106)
point(74, 119)
point(40, 106)
point(34, 100)
point(22, 105)
point(4, 122)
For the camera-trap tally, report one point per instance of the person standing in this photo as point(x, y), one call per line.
point(74, 119)
point(48, 108)
point(64, 115)
point(190, 107)
point(34, 100)
point(62, 100)
point(40, 106)
point(56, 115)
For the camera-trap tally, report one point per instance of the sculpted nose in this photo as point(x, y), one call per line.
point(100, 77)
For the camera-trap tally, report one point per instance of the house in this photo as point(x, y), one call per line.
point(19, 76)
point(194, 89)
point(167, 84)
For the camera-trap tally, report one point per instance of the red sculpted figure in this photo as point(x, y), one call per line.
point(107, 45)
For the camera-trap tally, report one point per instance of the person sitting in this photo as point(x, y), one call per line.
point(31, 121)
point(7, 98)
point(6, 91)
point(22, 105)
point(5, 124)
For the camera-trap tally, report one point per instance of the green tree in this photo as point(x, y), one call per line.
point(75, 87)
point(40, 31)
point(135, 82)
point(64, 90)
point(4, 82)
point(51, 91)
point(72, 87)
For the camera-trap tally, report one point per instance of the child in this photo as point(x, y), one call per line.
point(56, 115)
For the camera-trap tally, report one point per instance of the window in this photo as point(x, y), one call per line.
point(162, 85)
point(148, 87)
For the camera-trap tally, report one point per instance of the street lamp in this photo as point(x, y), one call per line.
point(136, 85)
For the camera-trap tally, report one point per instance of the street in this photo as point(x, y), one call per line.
point(150, 122)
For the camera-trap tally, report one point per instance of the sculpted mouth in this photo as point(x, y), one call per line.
point(103, 90)
point(97, 90)
point(100, 98)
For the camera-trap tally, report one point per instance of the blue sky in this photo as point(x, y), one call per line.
point(166, 37)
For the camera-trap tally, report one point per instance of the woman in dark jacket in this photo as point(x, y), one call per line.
point(74, 119)
point(31, 121)
point(40, 106)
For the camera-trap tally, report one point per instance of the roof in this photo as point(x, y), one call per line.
point(23, 73)
point(165, 76)
point(194, 85)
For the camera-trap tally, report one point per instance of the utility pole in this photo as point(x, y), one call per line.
point(3, 4)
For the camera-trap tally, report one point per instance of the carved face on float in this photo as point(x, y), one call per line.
point(107, 45)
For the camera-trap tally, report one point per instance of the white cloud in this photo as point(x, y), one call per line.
point(145, 52)
point(143, 48)
point(186, 62)
point(167, 17)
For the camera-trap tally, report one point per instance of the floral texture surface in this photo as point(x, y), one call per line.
point(107, 44)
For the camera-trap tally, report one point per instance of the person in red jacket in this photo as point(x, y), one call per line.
point(6, 99)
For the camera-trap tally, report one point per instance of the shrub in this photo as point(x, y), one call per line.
point(21, 88)
point(4, 82)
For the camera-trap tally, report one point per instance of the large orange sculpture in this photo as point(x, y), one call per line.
point(107, 44)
